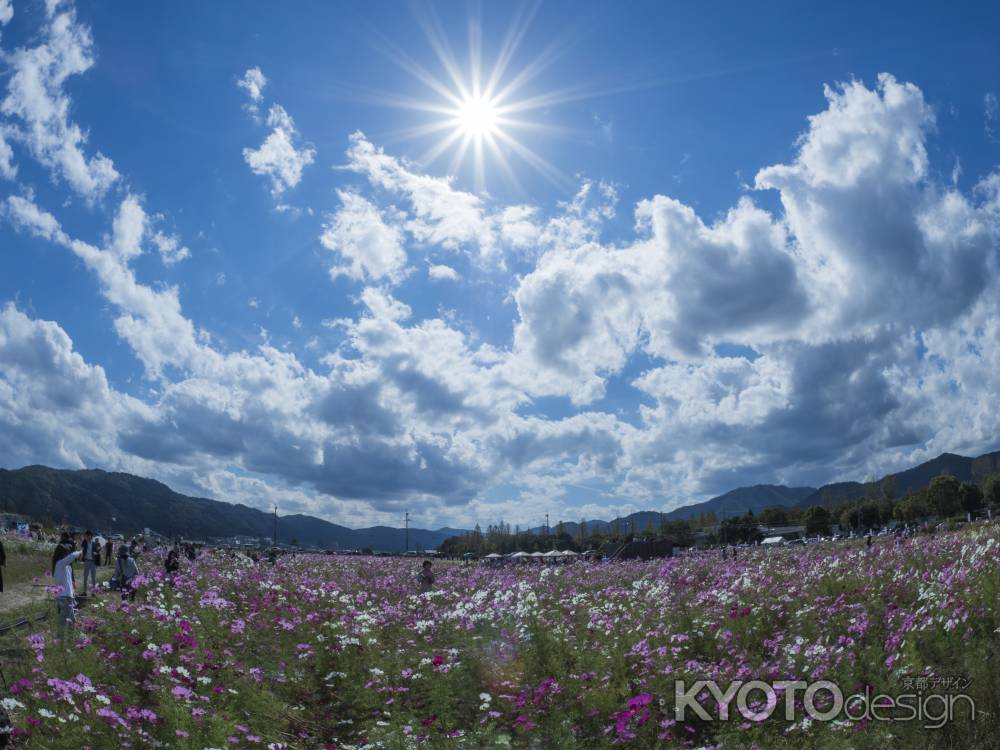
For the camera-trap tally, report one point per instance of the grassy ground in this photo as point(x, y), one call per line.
point(27, 561)
point(27, 578)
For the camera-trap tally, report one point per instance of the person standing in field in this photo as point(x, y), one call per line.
point(3, 562)
point(91, 554)
point(125, 571)
point(109, 549)
point(172, 564)
point(425, 578)
point(65, 600)
point(64, 541)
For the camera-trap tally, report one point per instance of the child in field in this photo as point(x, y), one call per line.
point(425, 578)
point(62, 571)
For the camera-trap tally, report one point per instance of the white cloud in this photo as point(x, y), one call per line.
point(579, 321)
point(519, 227)
point(8, 169)
point(129, 228)
point(279, 158)
point(151, 320)
point(382, 305)
point(253, 82)
point(877, 242)
point(6, 12)
point(441, 215)
point(54, 408)
point(170, 248)
point(733, 280)
point(991, 111)
point(26, 216)
point(828, 298)
point(371, 246)
point(442, 273)
point(35, 95)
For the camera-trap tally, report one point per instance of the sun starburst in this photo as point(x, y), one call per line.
point(476, 118)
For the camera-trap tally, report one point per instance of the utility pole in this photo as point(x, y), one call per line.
point(548, 532)
point(275, 525)
point(406, 524)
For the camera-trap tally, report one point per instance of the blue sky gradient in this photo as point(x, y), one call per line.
point(764, 249)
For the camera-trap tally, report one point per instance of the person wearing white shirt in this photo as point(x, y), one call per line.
point(65, 599)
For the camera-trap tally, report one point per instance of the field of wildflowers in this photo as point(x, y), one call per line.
point(340, 652)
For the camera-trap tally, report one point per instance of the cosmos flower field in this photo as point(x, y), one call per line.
point(344, 652)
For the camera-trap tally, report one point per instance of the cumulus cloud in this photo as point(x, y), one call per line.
point(879, 242)
point(371, 247)
point(253, 82)
point(6, 12)
point(867, 240)
point(441, 215)
point(442, 273)
point(280, 157)
point(579, 321)
point(151, 320)
point(864, 314)
point(54, 407)
point(267, 413)
point(36, 97)
point(8, 169)
point(170, 248)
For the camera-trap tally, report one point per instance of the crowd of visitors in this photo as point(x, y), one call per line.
point(93, 552)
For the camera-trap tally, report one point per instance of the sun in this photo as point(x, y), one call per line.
point(478, 117)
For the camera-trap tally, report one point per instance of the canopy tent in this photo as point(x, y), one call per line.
point(537, 554)
point(553, 553)
point(493, 556)
point(773, 540)
point(520, 554)
point(569, 553)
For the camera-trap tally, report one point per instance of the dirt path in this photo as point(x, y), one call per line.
point(17, 596)
point(20, 595)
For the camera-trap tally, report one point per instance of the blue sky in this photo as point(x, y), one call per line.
point(746, 245)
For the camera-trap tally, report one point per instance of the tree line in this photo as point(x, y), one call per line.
point(944, 497)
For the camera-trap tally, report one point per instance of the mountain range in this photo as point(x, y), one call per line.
point(114, 500)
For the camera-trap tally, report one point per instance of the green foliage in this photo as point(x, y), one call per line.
point(970, 497)
point(911, 508)
point(817, 521)
point(861, 516)
point(773, 517)
point(943, 495)
point(991, 489)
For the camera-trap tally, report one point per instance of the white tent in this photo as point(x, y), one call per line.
point(773, 540)
point(537, 554)
point(520, 554)
point(553, 553)
point(493, 556)
point(569, 553)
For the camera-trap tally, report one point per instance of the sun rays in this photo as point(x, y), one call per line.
point(476, 118)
